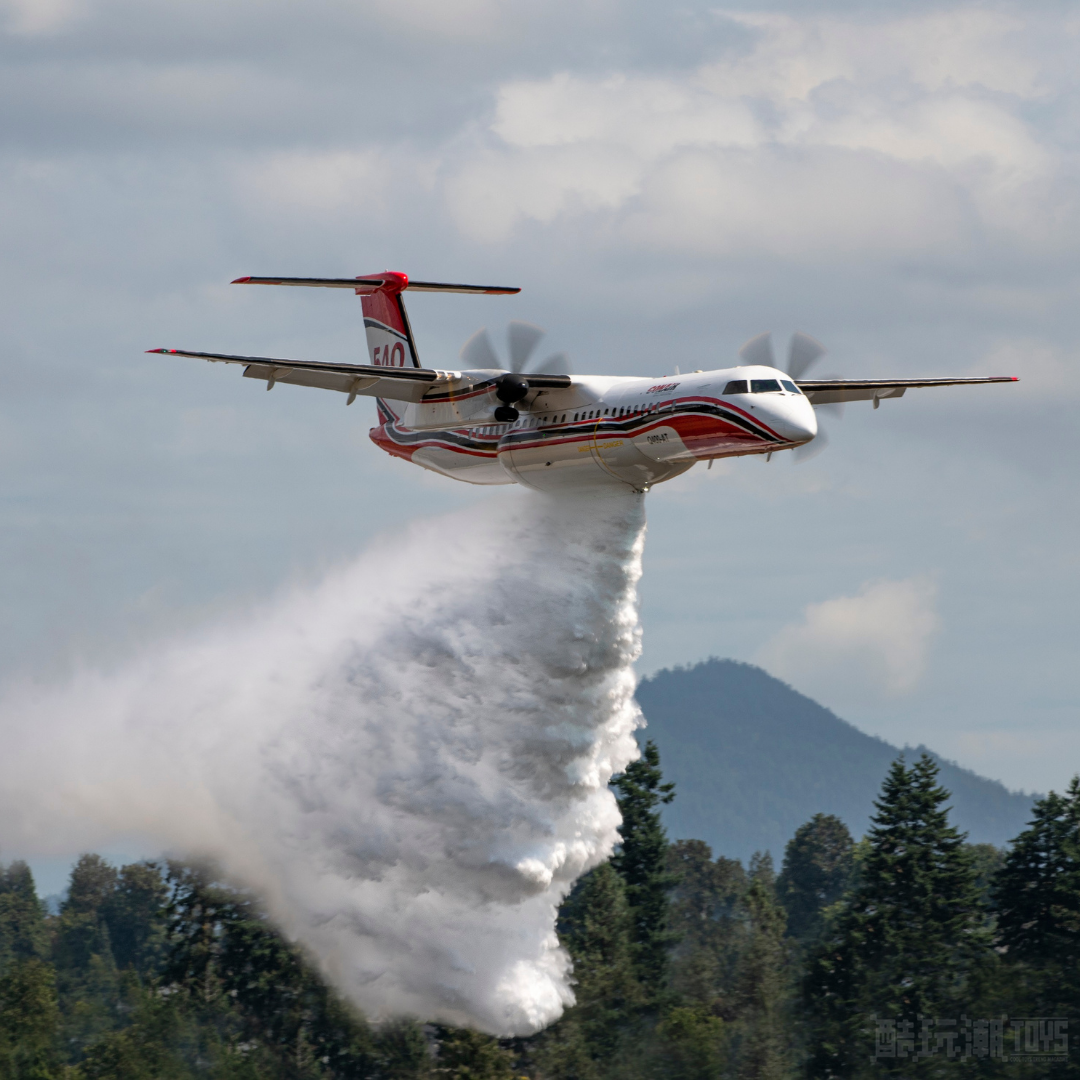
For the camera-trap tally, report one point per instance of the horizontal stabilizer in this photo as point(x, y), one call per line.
point(395, 282)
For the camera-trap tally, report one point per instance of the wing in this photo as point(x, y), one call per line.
point(398, 384)
point(828, 391)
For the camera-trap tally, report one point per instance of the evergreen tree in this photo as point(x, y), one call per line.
point(818, 863)
point(234, 966)
point(987, 861)
point(134, 916)
point(764, 980)
point(1037, 891)
point(908, 936)
point(708, 919)
point(1037, 905)
point(692, 1044)
point(596, 927)
point(464, 1054)
point(401, 1053)
point(87, 980)
point(28, 1022)
point(22, 918)
point(641, 862)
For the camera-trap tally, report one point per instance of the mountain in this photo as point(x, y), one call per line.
point(752, 759)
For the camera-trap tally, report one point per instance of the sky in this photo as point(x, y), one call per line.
point(663, 182)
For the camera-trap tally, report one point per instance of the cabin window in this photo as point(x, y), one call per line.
point(736, 386)
point(790, 387)
point(764, 386)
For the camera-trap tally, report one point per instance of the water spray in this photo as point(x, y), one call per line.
point(409, 762)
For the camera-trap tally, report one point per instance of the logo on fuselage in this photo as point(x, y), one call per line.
point(661, 387)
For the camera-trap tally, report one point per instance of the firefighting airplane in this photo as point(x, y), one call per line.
point(550, 430)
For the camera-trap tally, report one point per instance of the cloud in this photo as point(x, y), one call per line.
point(827, 137)
point(870, 645)
point(33, 17)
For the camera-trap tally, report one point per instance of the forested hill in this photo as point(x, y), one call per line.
point(753, 759)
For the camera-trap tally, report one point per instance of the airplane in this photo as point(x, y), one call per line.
point(550, 430)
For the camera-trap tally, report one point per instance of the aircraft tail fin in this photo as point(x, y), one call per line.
point(389, 336)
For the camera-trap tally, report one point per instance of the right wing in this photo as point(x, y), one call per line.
point(831, 391)
point(398, 384)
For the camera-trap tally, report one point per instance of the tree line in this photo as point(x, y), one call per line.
point(905, 953)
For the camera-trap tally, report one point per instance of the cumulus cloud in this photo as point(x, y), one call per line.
point(873, 644)
point(34, 17)
point(827, 137)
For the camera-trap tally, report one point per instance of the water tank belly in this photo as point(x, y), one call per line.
point(558, 466)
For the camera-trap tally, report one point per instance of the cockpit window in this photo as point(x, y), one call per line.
point(764, 386)
point(790, 387)
point(738, 386)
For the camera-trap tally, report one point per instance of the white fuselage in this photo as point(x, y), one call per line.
point(604, 430)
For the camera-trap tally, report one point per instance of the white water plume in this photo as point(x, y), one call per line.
point(409, 762)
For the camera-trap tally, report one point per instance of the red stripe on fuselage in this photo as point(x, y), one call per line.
point(694, 430)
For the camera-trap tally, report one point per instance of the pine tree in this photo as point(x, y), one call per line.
point(134, 915)
point(707, 916)
point(595, 926)
point(22, 918)
point(641, 863)
point(1037, 905)
point(1037, 891)
point(464, 1054)
point(87, 980)
point(237, 970)
point(763, 980)
point(818, 863)
point(28, 1022)
point(906, 938)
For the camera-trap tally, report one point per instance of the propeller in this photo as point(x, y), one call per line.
point(803, 352)
point(522, 339)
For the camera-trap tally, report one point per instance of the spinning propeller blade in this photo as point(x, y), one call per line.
point(759, 350)
point(478, 352)
point(557, 364)
point(802, 352)
point(811, 449)
point(523, 338)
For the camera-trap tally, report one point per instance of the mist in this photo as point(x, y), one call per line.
point(409, 761)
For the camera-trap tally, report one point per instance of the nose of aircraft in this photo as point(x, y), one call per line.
point(794, 418)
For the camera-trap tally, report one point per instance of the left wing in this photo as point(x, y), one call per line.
point(828, 391)
point(398, 384)
point(401, 384)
